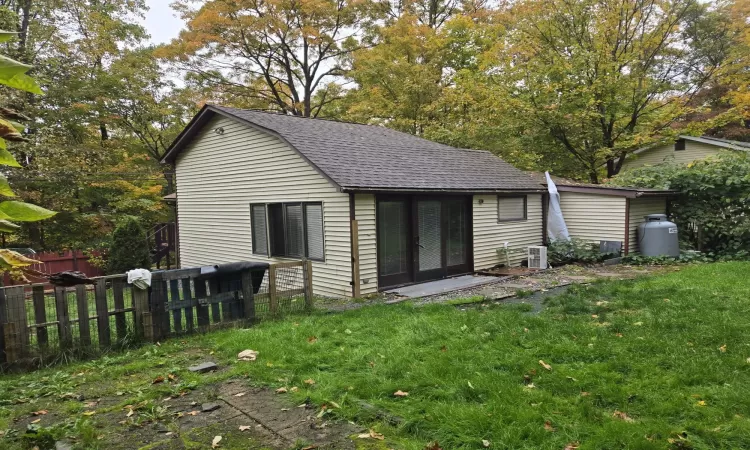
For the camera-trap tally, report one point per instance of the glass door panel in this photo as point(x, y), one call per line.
point(394, 251)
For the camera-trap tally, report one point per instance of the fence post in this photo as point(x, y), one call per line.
point(3, 324)
point(63, 318)
point(16, 333)
point(188, 296)
point(102, 313)
point(307, 284)
point(158, 309)
point(273, 301)
point(140, 303)
point(248, 296)
point(202, 310)
point(40, 316)
point(84, 327)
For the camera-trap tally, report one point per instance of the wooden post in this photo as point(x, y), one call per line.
point(174, 289)
point(158, 308)
point(202, 310)
point(273, 301)
point(140, 304)
point(11, 343)
point(3, 323)
point(40, 316)
point(19, 334)
point(248, 296)
point(102, 313)
point(307, 284)
point(84, 327)
point(121, 324)
point(188, 297)
point(355, 260)
point(63, 318)
point(148, 327)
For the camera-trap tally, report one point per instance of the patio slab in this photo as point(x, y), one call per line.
point(442, 286)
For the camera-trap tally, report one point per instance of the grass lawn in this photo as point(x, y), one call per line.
point(658, 362)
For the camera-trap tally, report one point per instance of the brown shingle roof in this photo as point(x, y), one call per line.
point(369, 157)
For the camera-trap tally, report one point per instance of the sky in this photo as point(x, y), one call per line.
point(161, 22)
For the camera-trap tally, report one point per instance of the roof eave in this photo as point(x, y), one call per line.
point(385, 190)
point(615, 192)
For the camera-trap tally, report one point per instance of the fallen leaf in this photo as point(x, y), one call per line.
point(312, 340)
point(309, 447)
point(294, 389)
point(281, 390)
point(702, 403)
point(545, 365)
point(622, 416)
point(192, 413)
point(485, 443)
point(470, 385)
point(215, 442)
point(119, 393)
point(240, 394)
point(245, 427)
point(247, 355)
point(130, 413)
point(571, 446)
point(157, 380)
point(400, 393)
point(348, 331)
point(571, 378)
point(618, 335)
point(525, 330)
point(36, 421)
point(723, 348)
point(530, 386)
point(444, 349)
point(42, 412)
point(433, 446)
point(585, 394)
point(310, 381)
point(372, 364)
point(638, 324)
point(372, 434)
point(548, 427)
point(90, 404)
point(172, 377)
point(89, 413)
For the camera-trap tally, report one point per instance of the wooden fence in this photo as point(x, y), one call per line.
point(43, 325)
point(53, 262)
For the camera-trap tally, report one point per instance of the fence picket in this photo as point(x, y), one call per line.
point(158, 307)
point(202, 310)
point(63, 318)
point(187, 296)
point(118, 293)
point(40, 316)
point(174, 287)
point(84, 326)
point(213, 287)
point(102, 313)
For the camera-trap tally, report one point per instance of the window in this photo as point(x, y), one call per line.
point(511, 208)
point(293, 230)
point(679, 144)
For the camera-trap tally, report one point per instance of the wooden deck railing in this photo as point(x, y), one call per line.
point(44, 324)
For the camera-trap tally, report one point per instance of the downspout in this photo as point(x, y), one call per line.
point(627, 226)
point(545, 212)
point(352, 246)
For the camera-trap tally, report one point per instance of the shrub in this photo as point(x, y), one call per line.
point(129, 249)
point(712, 207)
point(561, 251)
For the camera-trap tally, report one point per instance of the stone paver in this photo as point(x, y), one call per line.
point(203, 367)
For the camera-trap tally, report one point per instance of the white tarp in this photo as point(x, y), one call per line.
point(556, 228)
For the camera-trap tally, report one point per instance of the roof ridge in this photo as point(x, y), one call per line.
point(282, 114)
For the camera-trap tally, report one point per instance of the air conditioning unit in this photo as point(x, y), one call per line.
point(537, 257)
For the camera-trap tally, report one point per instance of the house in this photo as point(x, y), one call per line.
point(684, 150)
point(371, 207)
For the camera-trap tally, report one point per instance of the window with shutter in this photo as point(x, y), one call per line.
point(314, 230)
point(511, 208)
point(259, 229)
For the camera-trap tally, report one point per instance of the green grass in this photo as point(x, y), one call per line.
point(669, 352)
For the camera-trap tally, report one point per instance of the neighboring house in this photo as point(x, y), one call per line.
point(684, 150)
point(371, 207)
point(596, 213)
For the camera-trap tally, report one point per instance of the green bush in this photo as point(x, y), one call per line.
point(129, 249)
point(561, 251)
point(712, 207)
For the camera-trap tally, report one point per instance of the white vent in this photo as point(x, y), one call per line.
point(537, 257)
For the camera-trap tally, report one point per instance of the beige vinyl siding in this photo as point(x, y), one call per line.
point(364, 210)
point(666, 154)
point(490, 235)
point(219, 176)
point(594, 217)
point(640, 207)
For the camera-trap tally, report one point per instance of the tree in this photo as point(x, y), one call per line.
point(598, 79)
point(129, 249)
point(281, 54)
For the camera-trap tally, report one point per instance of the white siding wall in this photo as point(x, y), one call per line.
point(490, 235)
point(219, 176)
point(594, 217)
point(364, 209)
point(666, 153)
point(640, 207)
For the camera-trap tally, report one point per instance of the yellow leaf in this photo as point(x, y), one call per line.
point(215, 442)
point(545, 365)
point(400, 393)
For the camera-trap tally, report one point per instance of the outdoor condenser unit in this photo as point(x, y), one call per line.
point(537, 257)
